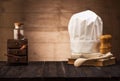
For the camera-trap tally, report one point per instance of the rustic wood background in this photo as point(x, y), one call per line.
point(46, 23)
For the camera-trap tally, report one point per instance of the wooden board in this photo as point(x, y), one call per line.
point(100, 62)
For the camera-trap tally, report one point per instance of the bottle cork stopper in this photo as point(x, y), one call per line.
point(18, 24)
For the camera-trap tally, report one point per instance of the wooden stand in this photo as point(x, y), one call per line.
point(100, 62)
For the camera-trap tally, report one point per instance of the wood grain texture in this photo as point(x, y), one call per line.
point(57, 70)
point(47, 21)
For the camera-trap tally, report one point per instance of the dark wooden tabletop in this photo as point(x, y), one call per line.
point(58, 70)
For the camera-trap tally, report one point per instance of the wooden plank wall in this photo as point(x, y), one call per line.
point(46, 23)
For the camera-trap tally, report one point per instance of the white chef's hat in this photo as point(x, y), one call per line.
point(84, 29)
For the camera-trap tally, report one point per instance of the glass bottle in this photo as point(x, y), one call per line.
point(18, 31)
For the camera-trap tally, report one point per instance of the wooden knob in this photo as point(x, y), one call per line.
point(16, 43)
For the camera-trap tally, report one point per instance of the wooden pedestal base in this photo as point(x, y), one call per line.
point(100, 62)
